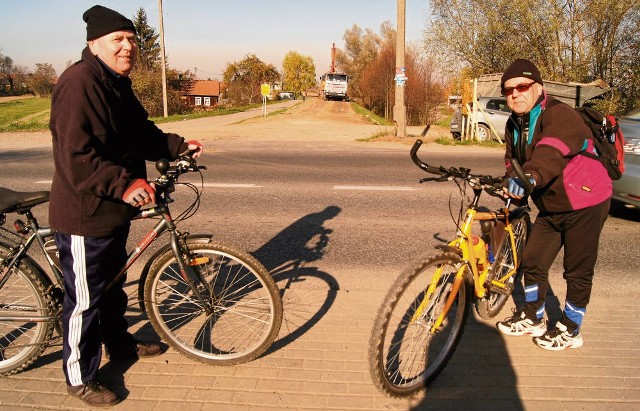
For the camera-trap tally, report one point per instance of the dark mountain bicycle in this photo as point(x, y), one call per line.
point(421, 319)
point(210, 301)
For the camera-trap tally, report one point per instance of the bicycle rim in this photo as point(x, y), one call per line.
point(246, 309)
point(405, 352)
point(493, 302)
point(25, 321)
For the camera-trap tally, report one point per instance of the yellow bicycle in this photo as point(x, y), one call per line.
point(423, 314)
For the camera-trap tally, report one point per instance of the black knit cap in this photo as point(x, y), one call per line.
point(521, 68)
point(101, 20)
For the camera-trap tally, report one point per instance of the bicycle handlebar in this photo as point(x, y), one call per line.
point(492, 185)
point(184, 164)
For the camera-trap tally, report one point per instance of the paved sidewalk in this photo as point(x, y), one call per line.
point(320, 363)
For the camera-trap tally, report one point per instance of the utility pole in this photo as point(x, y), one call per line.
point(164, 65)
point(399, 109)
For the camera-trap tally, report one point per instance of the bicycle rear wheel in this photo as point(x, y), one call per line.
point(26, 323)
point(405, 352)
point(495, 299)
point(244, 310)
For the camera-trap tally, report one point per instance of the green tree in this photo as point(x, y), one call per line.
point(299, 72)
point(42, 80)
point(243, 79)
point(148, 47)
point(146, 76)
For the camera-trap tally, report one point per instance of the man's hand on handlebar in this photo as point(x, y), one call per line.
point(516, 187)
point(195, 147)
point(140, 193)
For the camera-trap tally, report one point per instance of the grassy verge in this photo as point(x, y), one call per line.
point(25, 114)
point(32, 114)
point(374, 118)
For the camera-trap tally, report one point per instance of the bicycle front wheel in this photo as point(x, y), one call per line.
point(407, 348)
point(495, 298)
point(242, 309)
point(26, 323)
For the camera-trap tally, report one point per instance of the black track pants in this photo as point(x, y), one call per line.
point(579, 233)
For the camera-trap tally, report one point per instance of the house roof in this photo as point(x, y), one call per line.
point(206, 88)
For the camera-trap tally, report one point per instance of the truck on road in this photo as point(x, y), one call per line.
point(334, 86)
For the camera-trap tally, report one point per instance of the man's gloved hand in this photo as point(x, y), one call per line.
point(140, 193)
point(195, 145)
point(516, 187)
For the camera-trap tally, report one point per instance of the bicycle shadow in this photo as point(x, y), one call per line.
point(307, 293)
point(479, 375)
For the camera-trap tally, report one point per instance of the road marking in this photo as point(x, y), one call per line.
point(240, 185)
point(215, 185)
point(375, 188)
point(231, 185)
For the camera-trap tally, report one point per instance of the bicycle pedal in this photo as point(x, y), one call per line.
point(500, 288)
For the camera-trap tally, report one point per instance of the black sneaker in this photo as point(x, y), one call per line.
point(94, 393)
point(138, 350)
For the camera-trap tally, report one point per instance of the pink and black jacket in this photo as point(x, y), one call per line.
point(547, 141)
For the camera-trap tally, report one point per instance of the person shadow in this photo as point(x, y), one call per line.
point(307, 292)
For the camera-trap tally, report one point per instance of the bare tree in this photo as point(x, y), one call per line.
point(570, 40)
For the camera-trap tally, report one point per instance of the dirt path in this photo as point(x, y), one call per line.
point(310, 120)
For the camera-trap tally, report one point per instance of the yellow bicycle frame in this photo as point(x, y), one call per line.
point(462, 242)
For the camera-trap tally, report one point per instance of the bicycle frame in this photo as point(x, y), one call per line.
point(166, 223)
point(461, 245)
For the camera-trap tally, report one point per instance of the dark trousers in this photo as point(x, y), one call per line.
point(579, 233)
point(89, 314)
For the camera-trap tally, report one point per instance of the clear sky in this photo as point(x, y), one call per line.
point(203, 34)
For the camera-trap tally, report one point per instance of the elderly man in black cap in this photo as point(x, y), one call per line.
point(572, 192)
point(101, 139)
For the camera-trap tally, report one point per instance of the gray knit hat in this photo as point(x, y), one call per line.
point(101, 20)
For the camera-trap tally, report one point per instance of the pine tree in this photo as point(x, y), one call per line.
point(148, 46)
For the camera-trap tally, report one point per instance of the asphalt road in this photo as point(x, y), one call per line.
point(352, 213)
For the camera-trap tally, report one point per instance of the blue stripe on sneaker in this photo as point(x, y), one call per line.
point(531, 293)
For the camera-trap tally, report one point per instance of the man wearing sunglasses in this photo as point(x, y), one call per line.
point(572, 193)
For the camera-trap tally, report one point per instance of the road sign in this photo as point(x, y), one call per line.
point(265, 89)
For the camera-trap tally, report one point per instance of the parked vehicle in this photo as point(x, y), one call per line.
point(627, 189)
point(497, 113)
point(334, 86)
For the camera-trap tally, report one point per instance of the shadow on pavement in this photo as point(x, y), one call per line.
point(479, 375)
point(307, 293)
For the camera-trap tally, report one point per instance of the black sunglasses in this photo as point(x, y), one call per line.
point(522, 88)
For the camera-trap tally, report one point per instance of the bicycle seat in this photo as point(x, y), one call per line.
point(17, 201)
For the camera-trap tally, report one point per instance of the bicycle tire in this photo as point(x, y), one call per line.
point(401, 365)
point(492, 303)
point(247, 306)
point(22, 298)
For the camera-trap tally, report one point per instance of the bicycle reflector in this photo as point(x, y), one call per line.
point(20, 227)
point(199, 260)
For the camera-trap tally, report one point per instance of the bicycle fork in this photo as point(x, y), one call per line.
point(453, 292)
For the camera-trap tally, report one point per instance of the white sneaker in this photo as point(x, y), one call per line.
point(559, 339)
point(519, 324)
